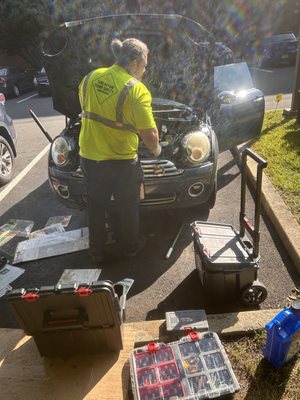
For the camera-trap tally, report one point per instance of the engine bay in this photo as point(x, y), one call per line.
point(173, 121)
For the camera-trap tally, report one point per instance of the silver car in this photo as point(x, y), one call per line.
point(8, 140)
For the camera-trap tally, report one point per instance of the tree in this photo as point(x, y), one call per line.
point(23, 25)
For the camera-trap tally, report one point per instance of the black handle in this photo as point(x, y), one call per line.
point(248, 152)
point(64, 319)
point(244, 222)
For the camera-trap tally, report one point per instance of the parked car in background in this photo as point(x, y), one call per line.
point(42, 83)
point(201, 104)
point(279, 49)
point(8, 140)
point(14, 81)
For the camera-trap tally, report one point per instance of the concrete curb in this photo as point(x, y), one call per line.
point(284, 222)
point(228, 324)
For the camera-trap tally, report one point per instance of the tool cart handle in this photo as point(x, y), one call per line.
point(244, 221)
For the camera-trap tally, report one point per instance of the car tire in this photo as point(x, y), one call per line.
point(16, 91)
point(7, 161)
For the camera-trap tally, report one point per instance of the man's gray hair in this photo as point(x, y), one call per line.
point(128, 50)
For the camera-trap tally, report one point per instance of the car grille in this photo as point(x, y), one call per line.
point(151, 201)
point(151, 168)
point(43, 81)
point(159, 168)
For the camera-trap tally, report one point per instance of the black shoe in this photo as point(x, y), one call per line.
point(137, 249)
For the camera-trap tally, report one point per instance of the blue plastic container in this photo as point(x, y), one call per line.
point(283, 336)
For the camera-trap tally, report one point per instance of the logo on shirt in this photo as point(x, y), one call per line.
point(104, 87)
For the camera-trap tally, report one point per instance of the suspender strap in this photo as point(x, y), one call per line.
point(84, 86)
point(108, 122)
point(118, 124)
point(121, 100)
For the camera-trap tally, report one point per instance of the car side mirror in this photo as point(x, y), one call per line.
point(226, 97)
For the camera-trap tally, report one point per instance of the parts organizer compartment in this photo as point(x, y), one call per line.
point(67, 320)
point(193, 368)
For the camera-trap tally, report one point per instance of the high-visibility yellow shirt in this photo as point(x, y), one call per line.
point(101, 142)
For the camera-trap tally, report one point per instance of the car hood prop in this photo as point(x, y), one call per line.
point(40, 125)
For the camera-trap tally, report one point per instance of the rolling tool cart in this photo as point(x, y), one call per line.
point(226, 259)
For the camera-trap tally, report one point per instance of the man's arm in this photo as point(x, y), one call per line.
point(150, 138)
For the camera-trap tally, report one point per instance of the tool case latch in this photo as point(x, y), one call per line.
point(194, 335)
point(152, 347)
point(30, 297)
point(83, 292)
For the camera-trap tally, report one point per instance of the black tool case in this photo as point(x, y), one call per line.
point(67, 320)
point(227, 261)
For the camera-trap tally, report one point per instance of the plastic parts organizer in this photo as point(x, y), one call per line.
point(193, 368)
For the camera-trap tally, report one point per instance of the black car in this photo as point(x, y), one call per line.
point(14, 81)
point(201, 108)
point(280, 49)
point(42, 83)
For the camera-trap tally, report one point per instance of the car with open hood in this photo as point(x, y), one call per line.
point(201, 106)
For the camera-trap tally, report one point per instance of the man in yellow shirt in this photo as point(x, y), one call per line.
point(116, 108)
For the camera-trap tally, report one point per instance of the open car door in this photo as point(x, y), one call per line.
point(242, 106)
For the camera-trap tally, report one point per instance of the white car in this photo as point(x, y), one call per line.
point(8, 140)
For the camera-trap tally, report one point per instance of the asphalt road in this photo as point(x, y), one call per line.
point(160, 285)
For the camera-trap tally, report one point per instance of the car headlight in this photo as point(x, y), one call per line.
point(196, 147)
point(60, 150)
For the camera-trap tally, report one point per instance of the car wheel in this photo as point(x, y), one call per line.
point(16, 91)
point(254, 294)
point(6, 162)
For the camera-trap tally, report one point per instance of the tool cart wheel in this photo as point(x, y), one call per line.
point(254, 294)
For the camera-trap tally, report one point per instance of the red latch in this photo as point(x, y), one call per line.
point(187, 329)
point(194, 335)
point(30, 297)
point(152, 347)
point(83, 292)
point(248, 223)
point(206, 251)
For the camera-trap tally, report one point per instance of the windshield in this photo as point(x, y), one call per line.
point(232, 77)
point(282, 37)
point(177, 63)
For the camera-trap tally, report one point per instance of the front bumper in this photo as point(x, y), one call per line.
point(43, 88)
point(173, 189)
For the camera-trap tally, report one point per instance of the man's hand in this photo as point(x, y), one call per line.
point(157, 151)
point(151, 139)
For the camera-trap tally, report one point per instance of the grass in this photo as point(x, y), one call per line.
point(258, 379)
point(279, 144)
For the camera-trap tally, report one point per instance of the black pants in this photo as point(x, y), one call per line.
point(122, 180)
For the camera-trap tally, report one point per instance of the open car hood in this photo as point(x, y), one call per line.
point(179, 62)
